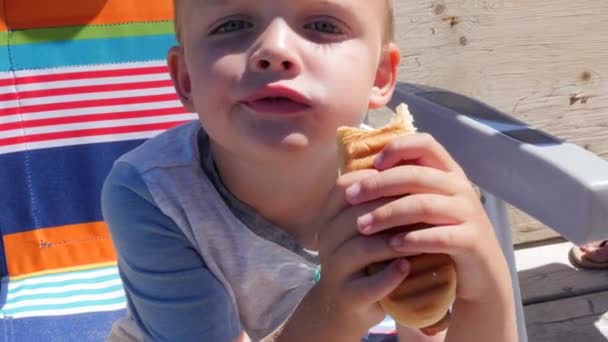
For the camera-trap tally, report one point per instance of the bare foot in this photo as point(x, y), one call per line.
point(596, 251)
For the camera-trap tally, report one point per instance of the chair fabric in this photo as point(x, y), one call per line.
point(81, 83)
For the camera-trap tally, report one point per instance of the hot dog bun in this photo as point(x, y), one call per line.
point(423, 299)
point(358, 147)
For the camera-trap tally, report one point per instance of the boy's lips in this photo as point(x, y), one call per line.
point(276, 99)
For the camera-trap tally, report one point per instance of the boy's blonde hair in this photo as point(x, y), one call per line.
point(389, 20)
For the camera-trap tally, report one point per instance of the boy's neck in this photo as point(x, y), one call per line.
point(289, 194)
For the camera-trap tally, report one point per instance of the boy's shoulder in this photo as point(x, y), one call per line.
point(174, 147)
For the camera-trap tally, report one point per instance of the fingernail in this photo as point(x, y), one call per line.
point(353, 191)
point(378, 160)
point(396, 242)
point(365, 223)
point(403, 265)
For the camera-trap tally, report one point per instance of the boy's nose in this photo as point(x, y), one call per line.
point(273, 50)
point(274, 64)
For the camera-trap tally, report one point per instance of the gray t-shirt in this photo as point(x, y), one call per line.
point(255, 222)
point(196, 262)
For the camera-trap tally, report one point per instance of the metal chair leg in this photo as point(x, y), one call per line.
point(497, 211)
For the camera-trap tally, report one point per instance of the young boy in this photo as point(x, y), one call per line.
point(219, 225)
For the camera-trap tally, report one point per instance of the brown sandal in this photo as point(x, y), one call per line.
point(578, 258)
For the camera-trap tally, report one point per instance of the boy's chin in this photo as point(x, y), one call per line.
point(284, 144)
point(293, 147)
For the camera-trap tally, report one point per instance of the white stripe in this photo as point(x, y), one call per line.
point(6, 74)
point(71, 69)
point(90, 111)
point(84, 97)
point(94, 124)
point(8, 89)
point(63, 289)
point(56, 278)
point(71, 311)
point(60, 301)
point(86, 82)
point(78, 141)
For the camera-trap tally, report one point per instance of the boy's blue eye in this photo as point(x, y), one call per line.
point(232, 26)
point(324, 27)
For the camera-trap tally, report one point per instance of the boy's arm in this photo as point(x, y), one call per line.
point(492, 316)
point(172, 296)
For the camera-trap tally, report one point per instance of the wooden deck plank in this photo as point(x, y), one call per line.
point(528, 58)
point(526, 229)
point(582, 318)
point(546, 274)
point(564, 304)
point(541, 61)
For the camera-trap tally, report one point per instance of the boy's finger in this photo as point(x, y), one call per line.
point(336, 201)
point(430, 209)
point(421, 149)
point(404, 180)
point(446, 239)
point(373, 288)
point(344, 225)
point(362, 251)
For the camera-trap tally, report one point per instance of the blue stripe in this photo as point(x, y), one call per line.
point(4, 59)
point(83, 273)
point(90, 327)
point(86, 52)
point(79, 304)
point(67, 283)
point(56, 186)
point(67, 294)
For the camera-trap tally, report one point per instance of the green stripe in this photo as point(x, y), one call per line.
point(87, 303)
point(85, 32)
point(66, 294)
point(65, 283)
point(80, 272)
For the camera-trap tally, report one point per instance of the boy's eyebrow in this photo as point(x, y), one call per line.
point(344, 5)
point(321, 3)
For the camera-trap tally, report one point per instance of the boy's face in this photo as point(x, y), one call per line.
point(270, 77)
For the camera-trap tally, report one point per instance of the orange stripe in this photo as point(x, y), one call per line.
point(2, 18)
point(66, 270)
point(31, 14)
point(58, 247)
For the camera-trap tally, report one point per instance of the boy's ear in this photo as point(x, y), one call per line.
point(180, 76)
point(386, 77)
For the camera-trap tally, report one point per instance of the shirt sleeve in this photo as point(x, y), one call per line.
point(171, 294)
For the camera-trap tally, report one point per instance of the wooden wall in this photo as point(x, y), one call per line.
point(542, 61)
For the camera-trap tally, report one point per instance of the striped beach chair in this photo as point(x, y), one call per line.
point(81, 82)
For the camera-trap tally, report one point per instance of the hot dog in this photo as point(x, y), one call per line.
point(423, 299)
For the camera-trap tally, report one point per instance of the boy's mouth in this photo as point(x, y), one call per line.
point(276, 99)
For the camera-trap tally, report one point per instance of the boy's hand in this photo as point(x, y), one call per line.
point(346, 296)
point(422, 184)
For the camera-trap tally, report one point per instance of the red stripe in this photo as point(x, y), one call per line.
point(22, 95)
point(87, 103)
point(79, 75)
point(89, 132)
point(92, 118)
